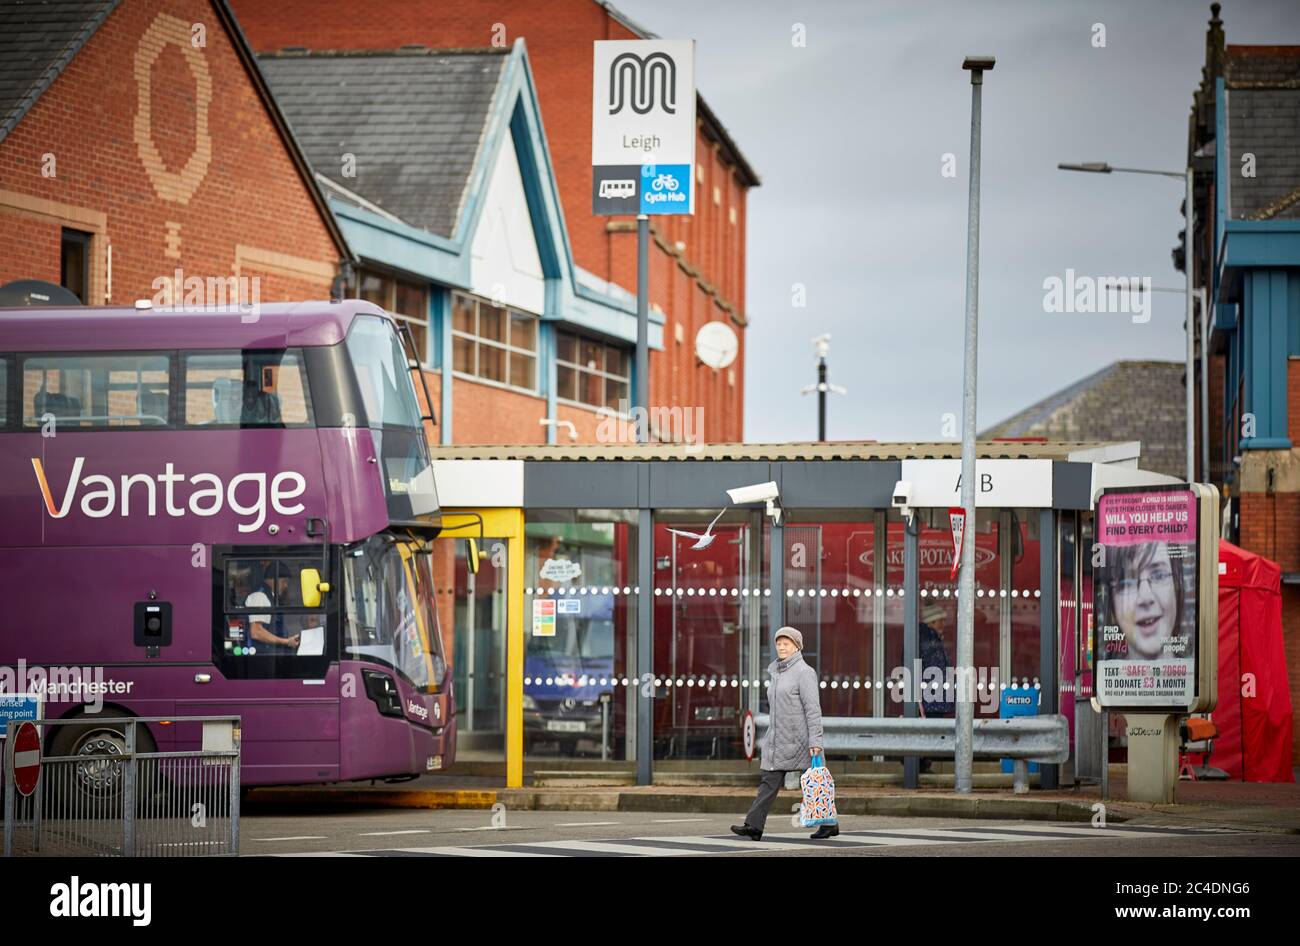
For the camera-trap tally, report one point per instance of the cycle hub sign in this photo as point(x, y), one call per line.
point(643, 127)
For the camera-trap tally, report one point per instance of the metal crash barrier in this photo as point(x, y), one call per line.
point(111, 800)
point(1022, 739)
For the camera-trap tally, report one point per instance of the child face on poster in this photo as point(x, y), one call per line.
point(1146, 598)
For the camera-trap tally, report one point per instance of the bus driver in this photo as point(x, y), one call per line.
point(267, 631)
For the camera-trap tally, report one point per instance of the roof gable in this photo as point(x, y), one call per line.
point(37, 41)
point(1263, 97)
point(401, 129)
point(1126, 400)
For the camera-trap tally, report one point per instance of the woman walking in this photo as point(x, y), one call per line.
point(795, 733)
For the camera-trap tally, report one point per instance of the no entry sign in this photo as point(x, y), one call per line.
point(25, 754)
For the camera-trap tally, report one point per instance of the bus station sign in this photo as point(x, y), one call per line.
point(643, 127)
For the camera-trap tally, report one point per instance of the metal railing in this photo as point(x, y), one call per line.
point(1023, 739)
point(111, 800)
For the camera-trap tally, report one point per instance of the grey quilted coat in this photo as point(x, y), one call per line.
point(796, 712)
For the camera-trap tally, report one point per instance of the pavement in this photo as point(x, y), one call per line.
point(1242, 806)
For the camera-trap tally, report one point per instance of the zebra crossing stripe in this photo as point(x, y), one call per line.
point(679, 845)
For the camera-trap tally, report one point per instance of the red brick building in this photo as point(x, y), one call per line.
point(138, 139)
point(698, 263)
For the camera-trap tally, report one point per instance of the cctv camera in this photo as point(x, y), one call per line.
point(903, 500)
point(760, 493)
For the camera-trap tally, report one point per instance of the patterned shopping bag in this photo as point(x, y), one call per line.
point(818, 795)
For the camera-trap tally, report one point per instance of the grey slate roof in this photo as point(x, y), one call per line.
point(1127, 400)
point(1263, 88)
point(38, 38)
point(414, 119)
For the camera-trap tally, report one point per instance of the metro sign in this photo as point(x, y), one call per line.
point(643, 127)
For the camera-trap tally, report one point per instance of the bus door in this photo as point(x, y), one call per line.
point(276, 662)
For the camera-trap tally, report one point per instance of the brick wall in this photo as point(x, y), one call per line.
point(213, 198)
point(559, 34)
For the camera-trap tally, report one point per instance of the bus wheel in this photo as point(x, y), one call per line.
point(99, 747)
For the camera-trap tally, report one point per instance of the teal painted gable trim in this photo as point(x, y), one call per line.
point(401, 246)
point(1261, 243)
point(514, 117)
point(566, 300)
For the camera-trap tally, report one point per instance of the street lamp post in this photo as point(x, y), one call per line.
point(976, 66)
point(1101, 167)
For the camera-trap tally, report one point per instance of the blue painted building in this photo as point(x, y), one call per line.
point(1244, 147)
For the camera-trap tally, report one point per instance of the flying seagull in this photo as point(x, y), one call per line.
point(702, 541)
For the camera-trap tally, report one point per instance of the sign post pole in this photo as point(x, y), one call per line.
point(643, 162)
point(977, 66)
point(643, 326)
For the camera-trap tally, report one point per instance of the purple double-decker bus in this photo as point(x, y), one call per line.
point(215, 512)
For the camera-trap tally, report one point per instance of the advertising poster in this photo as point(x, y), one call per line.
point(1145, 586)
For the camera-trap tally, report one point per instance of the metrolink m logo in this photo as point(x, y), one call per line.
point(207, 498)
point(633, 81)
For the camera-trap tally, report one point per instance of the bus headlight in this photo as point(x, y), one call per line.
point(381, 688)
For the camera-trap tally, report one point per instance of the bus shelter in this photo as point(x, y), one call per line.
point(623, 609)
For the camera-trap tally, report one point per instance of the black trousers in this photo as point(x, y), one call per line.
point(767, 790)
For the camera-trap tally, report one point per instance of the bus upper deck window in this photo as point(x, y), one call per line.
point(97, 391)
point(246, 389)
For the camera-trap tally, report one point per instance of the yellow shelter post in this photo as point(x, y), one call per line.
point(507, 525)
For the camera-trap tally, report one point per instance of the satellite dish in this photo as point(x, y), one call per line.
point(716, 344)
point(34, 292)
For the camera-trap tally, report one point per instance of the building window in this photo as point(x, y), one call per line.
point(493, 343)
point(74, 264)
point(407, 301)
point(591, 372)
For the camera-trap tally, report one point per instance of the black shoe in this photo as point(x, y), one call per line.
point(825, 831)
point(747, 831)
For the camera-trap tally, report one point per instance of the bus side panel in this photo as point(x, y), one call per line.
point(290, 728)
point(77, 605)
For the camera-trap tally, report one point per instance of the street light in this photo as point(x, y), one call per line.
point(1101, 167)
point(964, 742)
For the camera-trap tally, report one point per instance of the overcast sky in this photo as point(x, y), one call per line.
point(848, 135)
